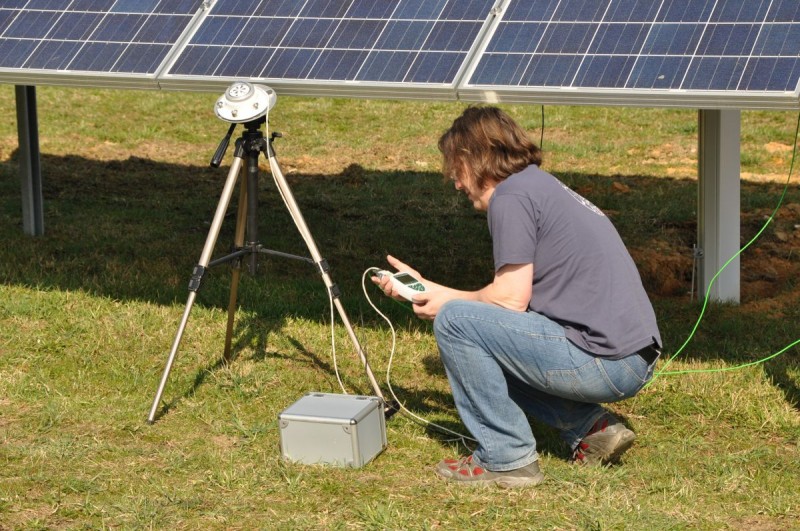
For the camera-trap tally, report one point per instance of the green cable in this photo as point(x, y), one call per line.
point(734, 368)
point(714, 278)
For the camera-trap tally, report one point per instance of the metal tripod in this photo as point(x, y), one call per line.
point(248, 149)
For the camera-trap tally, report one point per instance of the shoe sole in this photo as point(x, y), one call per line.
point(622, 443)
point(515, 483)
point(504, 482)
point(626, 441)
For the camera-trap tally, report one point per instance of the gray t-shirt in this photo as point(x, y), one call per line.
point(584, 277)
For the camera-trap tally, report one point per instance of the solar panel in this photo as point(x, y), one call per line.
point(89, 41)
point(687, 53)
point(334, 46)
point(684, 51)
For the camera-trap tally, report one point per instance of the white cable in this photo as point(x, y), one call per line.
point(402, 406)
point(307, 238)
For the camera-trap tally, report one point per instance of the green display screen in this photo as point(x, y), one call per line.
point(410, 281)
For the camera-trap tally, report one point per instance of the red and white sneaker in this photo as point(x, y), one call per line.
point(604, 444)
point(465, 471)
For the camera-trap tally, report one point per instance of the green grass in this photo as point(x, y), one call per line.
point(89, 310)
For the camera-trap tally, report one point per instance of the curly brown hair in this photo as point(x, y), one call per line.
point(488, 144)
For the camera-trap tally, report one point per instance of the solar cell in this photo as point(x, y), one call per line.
point(750, 48)
point(352, 43)
point(80, 39)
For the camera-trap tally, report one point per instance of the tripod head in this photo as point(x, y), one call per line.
point(245, 103)
point(251, 128)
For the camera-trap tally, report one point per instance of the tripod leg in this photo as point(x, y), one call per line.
point(297, 216)
point(238, 242)
point(197, 275)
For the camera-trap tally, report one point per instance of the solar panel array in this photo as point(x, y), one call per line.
point(370, 43)
point(743, 53)
point(73, 39)
point(744, 46)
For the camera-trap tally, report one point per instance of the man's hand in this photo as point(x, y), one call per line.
point(386, 284)
point(427, 305)
point(511, 288)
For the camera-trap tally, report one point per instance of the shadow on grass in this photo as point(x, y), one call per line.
point(134, 229)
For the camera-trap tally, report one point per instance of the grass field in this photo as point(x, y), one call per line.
point(89, 310)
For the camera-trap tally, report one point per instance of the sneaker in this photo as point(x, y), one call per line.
point(604, 444)
point(464, 471)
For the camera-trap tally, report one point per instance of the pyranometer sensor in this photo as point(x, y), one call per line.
point(244, 102)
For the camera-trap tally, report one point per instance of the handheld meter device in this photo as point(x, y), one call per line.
point(406, 284)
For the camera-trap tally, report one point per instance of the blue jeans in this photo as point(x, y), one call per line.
point(502, 364)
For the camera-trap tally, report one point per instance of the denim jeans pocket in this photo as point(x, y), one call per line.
point(636, 368)
point(588, 383)
point(628, 374)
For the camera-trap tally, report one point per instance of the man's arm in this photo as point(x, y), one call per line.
point(512, 288)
